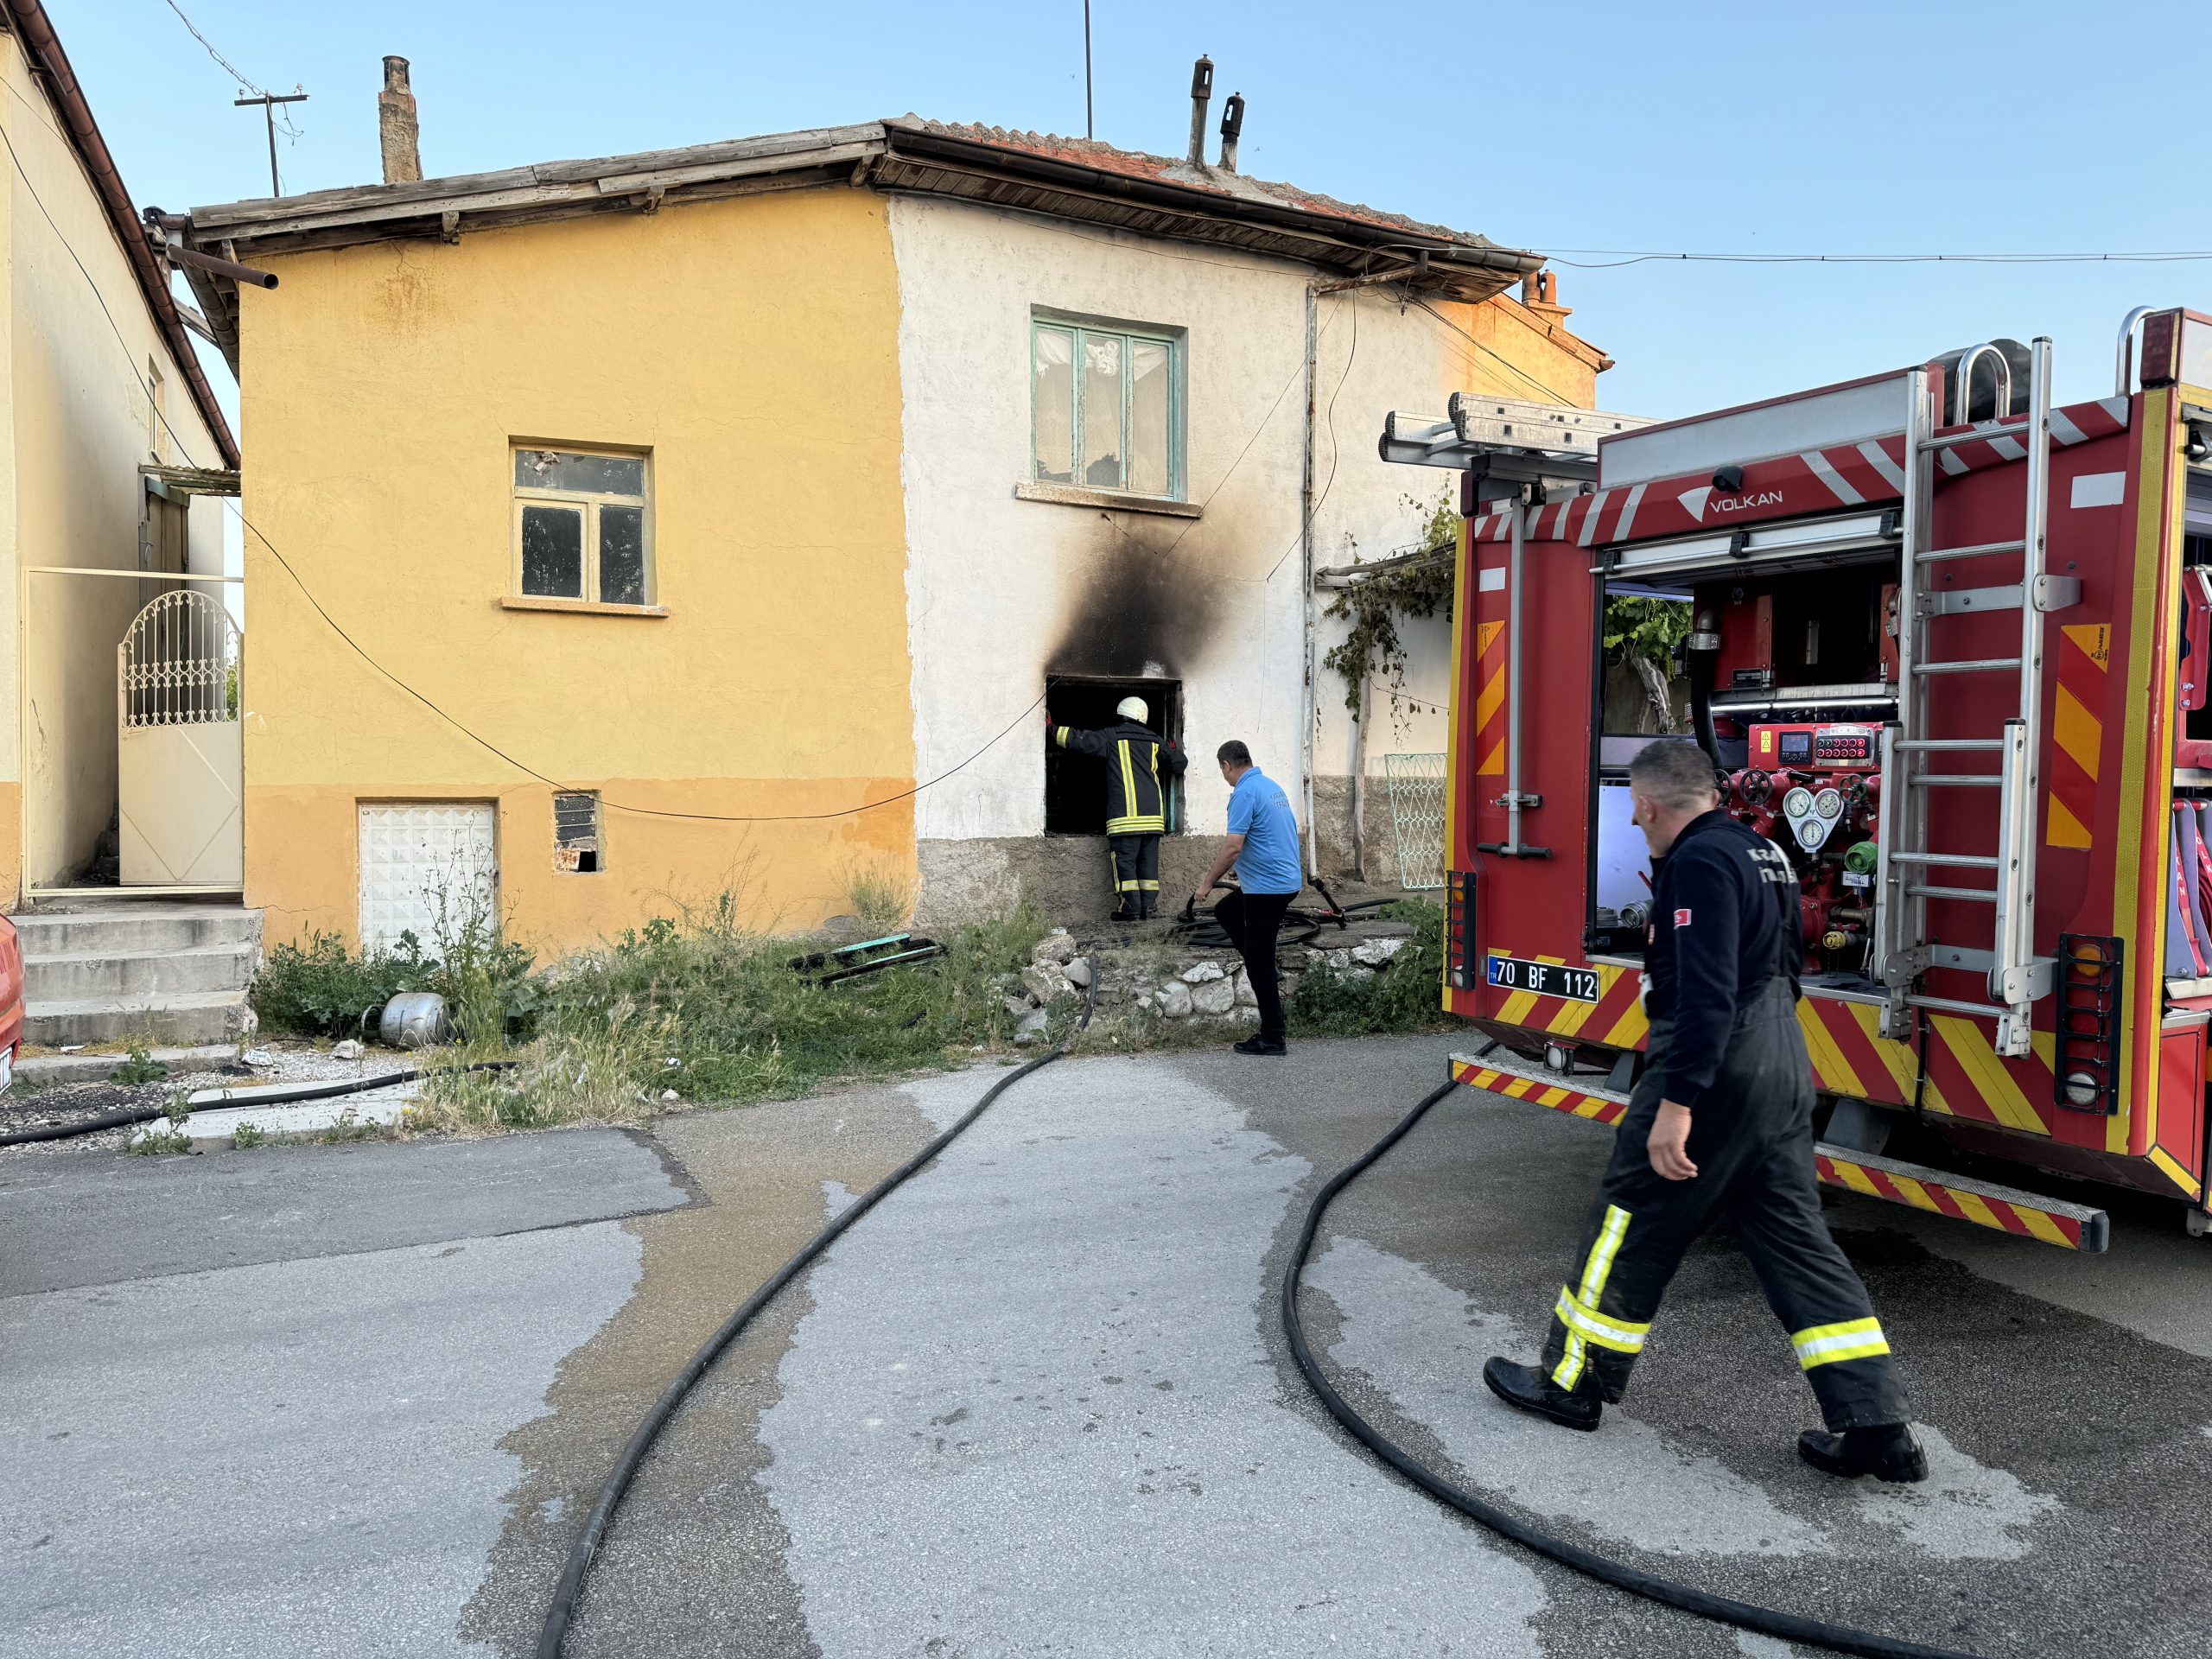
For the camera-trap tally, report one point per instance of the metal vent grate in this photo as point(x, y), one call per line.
point(575, 834)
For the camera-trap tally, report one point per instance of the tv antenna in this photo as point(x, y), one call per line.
point(269, 101)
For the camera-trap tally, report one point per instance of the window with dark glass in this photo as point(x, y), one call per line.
point(582, 529)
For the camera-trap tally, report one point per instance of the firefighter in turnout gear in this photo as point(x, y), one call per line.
point(1720, 1124)
point(1137, 761)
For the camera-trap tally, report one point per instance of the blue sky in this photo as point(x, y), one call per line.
point(1716, 127)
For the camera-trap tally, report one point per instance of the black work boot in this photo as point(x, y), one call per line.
point(1257, 1044)
point(1147, 905)
point(1888, 1451)
point(1126, 912)
point(1531, 1391)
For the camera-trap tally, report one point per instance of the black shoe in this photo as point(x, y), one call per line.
point(1256, 1045)
point(1125, 914)
point(1888, 1452)
point(1531, 1391)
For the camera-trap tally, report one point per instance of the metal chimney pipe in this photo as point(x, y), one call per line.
point(1201, 95)
point(1232, 126)
point(397, 133)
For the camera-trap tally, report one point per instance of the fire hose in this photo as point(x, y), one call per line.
point(1766, 1621)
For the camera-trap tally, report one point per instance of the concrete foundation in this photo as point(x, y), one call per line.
point(1070, 877)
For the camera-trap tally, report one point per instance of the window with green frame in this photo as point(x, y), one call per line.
point(1105, 409)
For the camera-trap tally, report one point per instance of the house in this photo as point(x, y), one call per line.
point(736, 516)
point(112, 444)
point(120, 749)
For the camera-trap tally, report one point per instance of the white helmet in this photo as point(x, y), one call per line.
point(1133, 709)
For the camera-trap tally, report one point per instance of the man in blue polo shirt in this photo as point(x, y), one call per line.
point(1262, 844)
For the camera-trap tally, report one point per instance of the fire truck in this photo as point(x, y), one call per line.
point(1949, 646)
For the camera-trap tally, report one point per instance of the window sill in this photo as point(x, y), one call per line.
point(1070, 495)
point(584, 606)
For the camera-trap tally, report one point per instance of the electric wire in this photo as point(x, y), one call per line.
point(335, 627)
point(562, 1611)
point(284, 121)
point(1786, 1627)
point(1616, 258)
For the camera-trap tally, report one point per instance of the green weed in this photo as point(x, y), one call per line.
point(246, 1136)
point(138, 1066)
point(1405, 996)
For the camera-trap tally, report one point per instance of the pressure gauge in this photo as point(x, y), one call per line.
point(1797, 803)
point(1812, 830)
point(1828, 805)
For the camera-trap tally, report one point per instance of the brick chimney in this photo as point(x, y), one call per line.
point(397, 132)
point(1539, 293)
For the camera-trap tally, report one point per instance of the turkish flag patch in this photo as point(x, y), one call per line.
point(1681, 919)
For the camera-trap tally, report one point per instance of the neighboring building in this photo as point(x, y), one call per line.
point(109, 434)
point(706, 496)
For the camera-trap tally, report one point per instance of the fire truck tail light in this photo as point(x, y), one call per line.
point(2081, 1089)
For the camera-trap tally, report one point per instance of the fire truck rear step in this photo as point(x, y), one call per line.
point(1961, 1197)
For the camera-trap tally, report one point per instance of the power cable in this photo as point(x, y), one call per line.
point(1786, 1627)
point(1510, 367)
point(235, 72)
point(485, 743)
point(1615, 257)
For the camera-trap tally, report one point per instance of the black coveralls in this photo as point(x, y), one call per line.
point(1724, 956)
point(1136, 805)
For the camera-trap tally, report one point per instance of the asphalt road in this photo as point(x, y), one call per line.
point(357, 1399)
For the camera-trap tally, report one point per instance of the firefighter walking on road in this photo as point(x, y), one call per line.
point(1720, 1125)
point(1136, 757)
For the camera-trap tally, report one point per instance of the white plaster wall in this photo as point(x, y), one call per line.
point(77, 432)
point(995, 584)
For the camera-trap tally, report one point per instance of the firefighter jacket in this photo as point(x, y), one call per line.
point(1136, 758)
point(1723, 921)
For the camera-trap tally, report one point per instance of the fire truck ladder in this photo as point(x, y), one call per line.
point(1912, 871)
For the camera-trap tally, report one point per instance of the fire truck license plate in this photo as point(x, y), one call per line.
point(1544, 978)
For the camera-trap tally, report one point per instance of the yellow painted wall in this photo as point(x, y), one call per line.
point(751, 345)
point(74, 429)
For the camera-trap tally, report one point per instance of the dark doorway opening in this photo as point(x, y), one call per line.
point(1075, 784)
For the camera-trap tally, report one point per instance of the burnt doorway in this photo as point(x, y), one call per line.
point(1075, 784)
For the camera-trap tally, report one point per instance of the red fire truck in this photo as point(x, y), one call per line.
point(1950, 648)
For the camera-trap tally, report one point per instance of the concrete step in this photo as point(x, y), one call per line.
point(124, 928)
point(78, 975)
point(179, 1017)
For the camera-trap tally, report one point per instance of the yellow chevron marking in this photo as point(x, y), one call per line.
point(1976, 1211)
point(1971, 1047)
point(1857, 1179)
point(1484, 632)
point(1552, 1096)
point(2095, 639)
point(1490, 698)
point(1829, 1063)
point(2064, 829)
point(1899, 1058)
point(1630, 1029)
point(1493, 763)
point(1516, 1010)
point(2043, 1227)
point(1913, 1193)
point(2171, 1169)
point(1518, 1088)
point(1570, 1019)
point(2076, 730)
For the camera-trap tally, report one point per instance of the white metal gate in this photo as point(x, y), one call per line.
point(179, 763)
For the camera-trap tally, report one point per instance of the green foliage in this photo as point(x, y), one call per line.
point(1419, 587)
point(138, 1066)
point(1405, 995)
point(246, 1136)
point(322, 988)
point(698, 1004)
point(1654, 629)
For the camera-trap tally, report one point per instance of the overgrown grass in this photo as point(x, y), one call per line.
point(1405, 996)
point(324, 988)
point(702, 1006)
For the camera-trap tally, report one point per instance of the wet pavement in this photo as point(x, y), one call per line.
point(357, 1398)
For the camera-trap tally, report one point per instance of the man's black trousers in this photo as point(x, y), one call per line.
point(1252, 920)
point(1751, 1139)
point(1136, 874)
